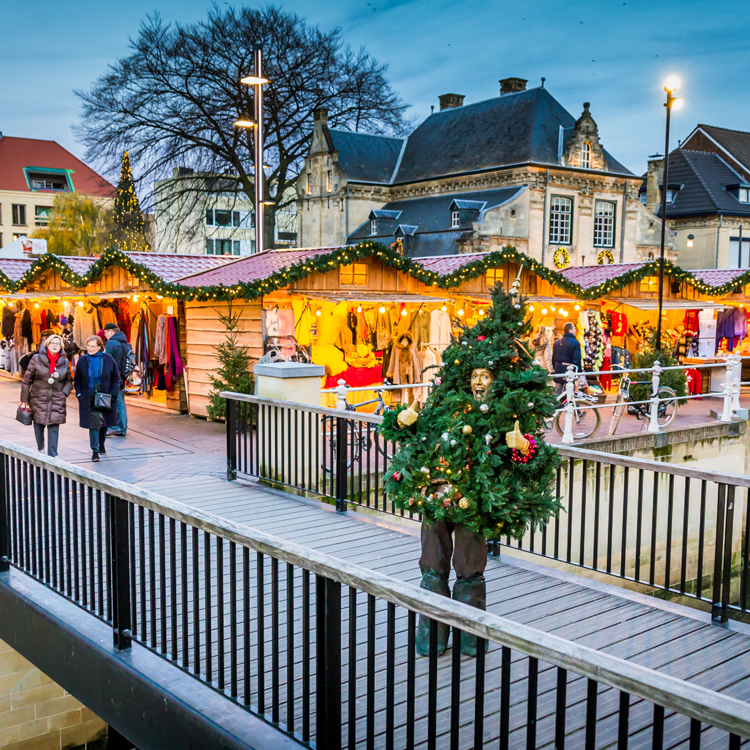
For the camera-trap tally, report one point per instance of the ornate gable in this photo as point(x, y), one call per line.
point(583, 148)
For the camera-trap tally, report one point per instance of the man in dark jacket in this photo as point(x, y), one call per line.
point(566, 351)
point(117, 347)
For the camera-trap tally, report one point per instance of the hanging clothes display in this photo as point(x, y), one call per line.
point(86, 324)
point(593, 341)
point(440, 328)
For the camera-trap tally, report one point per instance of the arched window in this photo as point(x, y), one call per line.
point(586, 155)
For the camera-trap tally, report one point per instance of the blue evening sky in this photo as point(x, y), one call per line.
point(613, 53)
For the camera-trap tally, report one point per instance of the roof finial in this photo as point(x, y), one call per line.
point(543, 80)
point(432, 108)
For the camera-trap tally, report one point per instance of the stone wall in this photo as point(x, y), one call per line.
point(37, 714)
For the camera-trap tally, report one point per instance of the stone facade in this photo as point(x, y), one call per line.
point(334, 208)
point(37, 714)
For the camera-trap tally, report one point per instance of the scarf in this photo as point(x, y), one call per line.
point(52, 361)
point(95, 368)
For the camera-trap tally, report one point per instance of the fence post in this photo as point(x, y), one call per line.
point(231, 439)
point(4, 526)
point(653, 423)
point(736, 382)
point(119, 545)
point(328, 663)
point(728, 386)
point(341, 391)
point(342, 467)
point(570, 377)
point(716, 598)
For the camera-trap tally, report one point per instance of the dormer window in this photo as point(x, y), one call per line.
point(741, 191)
point(671, 195)
point(455, 219)
point(57, 180)
point(586, 155)
point(373, 226)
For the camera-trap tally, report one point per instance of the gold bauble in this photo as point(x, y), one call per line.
point(466, 429)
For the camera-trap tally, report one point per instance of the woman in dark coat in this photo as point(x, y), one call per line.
point(46, 386)
point(96, 371)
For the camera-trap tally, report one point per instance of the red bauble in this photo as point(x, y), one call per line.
point(481, 338)
point(397, 476)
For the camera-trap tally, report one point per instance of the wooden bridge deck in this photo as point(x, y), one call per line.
point(676, 640)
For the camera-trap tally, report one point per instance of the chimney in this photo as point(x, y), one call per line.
point(512, 85)
point(451, 101)
point(182, 171)
point(320, 115)
point(654, 178)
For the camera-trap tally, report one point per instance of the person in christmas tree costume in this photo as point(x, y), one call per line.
point(474, 462)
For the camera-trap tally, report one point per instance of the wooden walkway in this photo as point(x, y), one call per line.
point(675, 640)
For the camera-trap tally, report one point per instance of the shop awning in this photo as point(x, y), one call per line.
point(669, 304)
point(373, 297)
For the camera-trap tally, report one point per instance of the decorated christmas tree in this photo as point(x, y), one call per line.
point(233, 372)
point(475, 456)
point(129, 230)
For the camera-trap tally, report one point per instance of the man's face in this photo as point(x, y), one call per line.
point(481, 380)
point(108, 334)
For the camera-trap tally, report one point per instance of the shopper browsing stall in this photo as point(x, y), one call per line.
point(118, 348)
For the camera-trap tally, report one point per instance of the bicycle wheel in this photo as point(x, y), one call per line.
point(667, 406)
point(586, 423)
point(617, 412)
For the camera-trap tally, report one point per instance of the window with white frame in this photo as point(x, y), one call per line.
point(743, 195)
point(604, 224)
point(373, 226)
point(586, 155)
point(671, 195)
point(223, 247)
point(560, 220)
point(216, 217)
point(41, 215)
point(455, 219)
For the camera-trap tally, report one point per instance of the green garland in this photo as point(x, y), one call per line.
point(346, 255)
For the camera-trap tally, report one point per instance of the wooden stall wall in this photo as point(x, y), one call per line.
point(204, 331)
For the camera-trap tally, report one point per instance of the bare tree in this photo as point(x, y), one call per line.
point(174, 100)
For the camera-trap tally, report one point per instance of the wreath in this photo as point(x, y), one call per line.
point(398, 246)
point(605, 257)
point(561, 257)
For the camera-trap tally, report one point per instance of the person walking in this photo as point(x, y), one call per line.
point(96, 372)
point(47, 383)
point(118, 347)
point(542, 348)
point(566, 351)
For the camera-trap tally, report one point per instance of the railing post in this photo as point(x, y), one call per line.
point(120, 572)
point(728, 386)
point(341, 463)
point(341, 393)
point(653, 423)
point(570, 377)
point(328, 663)
point(736, 382)
point(231, 439)
point(4, 526)
point(716, 598)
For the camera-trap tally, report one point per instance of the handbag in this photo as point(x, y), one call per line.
point(24, 416)
point(102, 401)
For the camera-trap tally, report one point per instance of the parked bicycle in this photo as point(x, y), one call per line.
point(360, 441)
point(666, 411)
point(586, 421)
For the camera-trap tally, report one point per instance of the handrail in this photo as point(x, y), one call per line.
point(709, 707)
point(738, 480)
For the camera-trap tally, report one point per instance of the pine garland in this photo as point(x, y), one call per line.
point(345, 256)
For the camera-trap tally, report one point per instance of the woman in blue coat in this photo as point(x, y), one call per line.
point(96, 371)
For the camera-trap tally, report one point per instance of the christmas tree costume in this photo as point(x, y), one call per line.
point(474, 462)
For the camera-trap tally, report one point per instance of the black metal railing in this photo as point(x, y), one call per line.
point(668, 528)
point(325, 650)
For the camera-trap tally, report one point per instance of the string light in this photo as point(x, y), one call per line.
point(544, 311)
point(80, 303)
point(461, 313)
point(318, 313)
point(382, 310)
point(444, 308)
point(531, 308)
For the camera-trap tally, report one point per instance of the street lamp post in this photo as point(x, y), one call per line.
point(675, 102)
point(257, 81)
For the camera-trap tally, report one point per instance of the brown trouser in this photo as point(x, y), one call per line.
point(441, 541)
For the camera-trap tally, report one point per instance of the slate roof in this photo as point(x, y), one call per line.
point(588, 276)
point(367, 158)
point(432, 217)
point(170, 267)
point(511, 129)
point(14, 268)
point(703, 177)
point(18, 153)
point(252, 268)
point(737, 142)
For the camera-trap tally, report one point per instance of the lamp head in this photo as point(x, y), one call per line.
point(676, 103)
point(672, 84)
point(244, 122)
point(254, 80)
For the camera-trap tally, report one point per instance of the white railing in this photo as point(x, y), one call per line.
point(729, 391)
